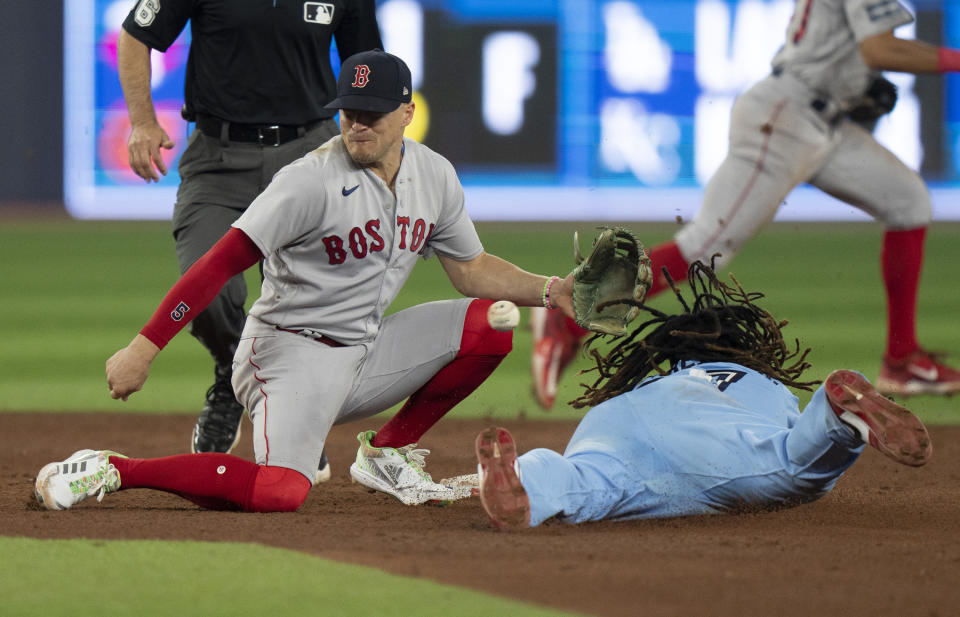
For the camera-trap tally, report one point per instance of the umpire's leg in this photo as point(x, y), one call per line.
point(197, 227)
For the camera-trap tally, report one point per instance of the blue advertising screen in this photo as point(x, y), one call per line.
point(549, 109)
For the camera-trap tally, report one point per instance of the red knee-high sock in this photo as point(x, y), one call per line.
point(278, 489)
point(666, 255)
point(481, 350)
point(901, 260)
point(210, 480)
point(571, 326)
point(217, 481)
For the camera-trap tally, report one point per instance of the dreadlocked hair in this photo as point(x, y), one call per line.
point(722, 324)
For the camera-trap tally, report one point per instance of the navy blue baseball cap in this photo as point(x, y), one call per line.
point(372, 81)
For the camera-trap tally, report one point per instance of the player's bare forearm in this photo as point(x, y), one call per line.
point(147, 136)
point(128, 369)
point(489, 276)
point(133, 67)
point(886, 52)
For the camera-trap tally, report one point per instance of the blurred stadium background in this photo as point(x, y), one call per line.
point(559, 114)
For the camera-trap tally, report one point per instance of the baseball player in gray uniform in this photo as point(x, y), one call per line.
point(257, 78)
point(790, 128)
point(339, 231)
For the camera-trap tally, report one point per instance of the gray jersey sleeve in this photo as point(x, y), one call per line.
point(290, 206)
point(869, 17)
point(284, 211)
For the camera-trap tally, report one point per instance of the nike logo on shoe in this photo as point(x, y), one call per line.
point(926, 374)
point(347, 191)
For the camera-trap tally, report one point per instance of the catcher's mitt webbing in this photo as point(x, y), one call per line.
point(615, 273)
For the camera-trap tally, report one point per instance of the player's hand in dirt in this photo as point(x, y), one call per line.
point(143, 148)
point(127, 370)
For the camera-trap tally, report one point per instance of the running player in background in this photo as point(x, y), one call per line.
point(792, 128)
point(692, 414)
point(339, 231)
point(258, 77)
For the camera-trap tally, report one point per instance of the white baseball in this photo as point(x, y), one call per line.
point(503, 315)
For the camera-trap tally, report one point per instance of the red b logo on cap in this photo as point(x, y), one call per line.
point(361, 76)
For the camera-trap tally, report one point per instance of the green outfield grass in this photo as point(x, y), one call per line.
point(76, 292)
point(76, 578)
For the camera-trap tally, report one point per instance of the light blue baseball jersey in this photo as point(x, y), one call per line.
point(708, 438)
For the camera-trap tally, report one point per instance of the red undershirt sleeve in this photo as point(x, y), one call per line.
point(231, 255)
point(948, 60)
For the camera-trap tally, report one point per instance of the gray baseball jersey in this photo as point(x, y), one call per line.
point(791, 128)
point(338, 246)
point(822, 39)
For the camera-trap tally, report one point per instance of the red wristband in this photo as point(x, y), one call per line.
point(948, 60)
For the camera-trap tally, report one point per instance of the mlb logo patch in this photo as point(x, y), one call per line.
point(318, 13)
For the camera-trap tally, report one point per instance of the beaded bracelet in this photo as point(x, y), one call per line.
point(545, 296)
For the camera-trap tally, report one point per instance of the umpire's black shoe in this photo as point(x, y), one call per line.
point(218, 427)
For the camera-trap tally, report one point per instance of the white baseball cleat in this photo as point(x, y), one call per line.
point(398, 472)
point(464, 486)
point(86, 473)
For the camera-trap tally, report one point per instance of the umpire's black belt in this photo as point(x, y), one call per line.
point(263, 134)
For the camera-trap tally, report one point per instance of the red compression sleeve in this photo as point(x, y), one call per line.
point(231, 255)
point(948, 60)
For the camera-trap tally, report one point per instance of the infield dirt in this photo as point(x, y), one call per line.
point(884, 542)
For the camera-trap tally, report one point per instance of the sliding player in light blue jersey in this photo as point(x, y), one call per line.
point(692, 414)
